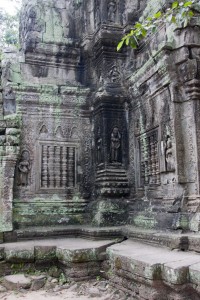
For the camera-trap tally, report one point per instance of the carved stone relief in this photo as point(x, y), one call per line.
point(24, 167)
point(114, 75)
point(149, 158)
point(58, 166)
point(99, 147)
point(169, 155)
point(112, 11)
point(115, 146)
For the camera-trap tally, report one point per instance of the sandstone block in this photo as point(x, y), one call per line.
point(18, 281)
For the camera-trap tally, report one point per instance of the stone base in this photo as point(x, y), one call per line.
point(52, 212)
point(156, 220)
point(109, 212)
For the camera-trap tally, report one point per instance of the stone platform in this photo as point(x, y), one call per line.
point(147, 272)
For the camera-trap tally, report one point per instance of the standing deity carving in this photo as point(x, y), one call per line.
point(114, 75)
point(169, 158)
point(112, 10)
point(24, 168)
point(115, 145)
point(99, 148)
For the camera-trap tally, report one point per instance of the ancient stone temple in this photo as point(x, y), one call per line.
point(92, 136)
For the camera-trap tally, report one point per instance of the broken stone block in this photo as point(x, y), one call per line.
point(2, 289)
point(37, 282)
point(15, 282)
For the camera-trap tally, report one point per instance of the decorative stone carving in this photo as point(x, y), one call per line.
point(58, 167)
point(114, 75)
point(115, 145)
point(169, 157)
point(59, 132)
point(112, 11)
point(24, 167)
point(149, 159)
point(99, 148)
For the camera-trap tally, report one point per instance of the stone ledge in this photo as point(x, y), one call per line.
point(66, 250)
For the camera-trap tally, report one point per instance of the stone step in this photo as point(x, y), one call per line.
point(80, 258)
point(154, 273)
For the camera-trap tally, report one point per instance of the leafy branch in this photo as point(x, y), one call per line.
point(180, 13)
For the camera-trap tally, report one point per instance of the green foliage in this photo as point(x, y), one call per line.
point(9, 26)
point(62, 279)
point(179, 14)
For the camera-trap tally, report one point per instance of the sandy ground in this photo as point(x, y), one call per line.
point(76, 291)
point(44, 295)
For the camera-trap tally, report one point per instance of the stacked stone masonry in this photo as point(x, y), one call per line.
point(89, 134)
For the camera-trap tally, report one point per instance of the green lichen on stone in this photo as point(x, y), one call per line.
point(153, 272)
point(145, 222)
point(45, 253)
point(19, 255)
point(76, 256)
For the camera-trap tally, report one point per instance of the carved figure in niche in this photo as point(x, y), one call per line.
point(169, 159)
point(114, 75)
point(99, 145)
point(112, 9)
point(115, 145)
point(24, 167)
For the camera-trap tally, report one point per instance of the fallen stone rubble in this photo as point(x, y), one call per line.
point(25, 283)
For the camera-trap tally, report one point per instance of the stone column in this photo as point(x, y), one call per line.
point(7, 169)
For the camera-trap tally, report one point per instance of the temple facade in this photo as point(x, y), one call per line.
point(89, 135)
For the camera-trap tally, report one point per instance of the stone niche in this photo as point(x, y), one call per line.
point(89, 135)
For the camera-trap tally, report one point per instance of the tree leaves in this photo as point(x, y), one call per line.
point(180, 14)
point(9, 26)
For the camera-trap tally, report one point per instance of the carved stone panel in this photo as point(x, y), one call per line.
point(148, 164)
point(57, 166)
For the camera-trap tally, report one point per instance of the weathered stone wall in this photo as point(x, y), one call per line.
point(164, 108)
point(103, 135)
